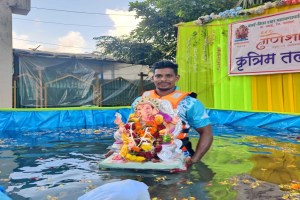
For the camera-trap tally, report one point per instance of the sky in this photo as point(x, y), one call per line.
point(69, 26)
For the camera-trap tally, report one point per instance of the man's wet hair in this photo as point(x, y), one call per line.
point(165, 64)
point(193, 94)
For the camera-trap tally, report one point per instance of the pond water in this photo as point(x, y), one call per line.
point(63, 165)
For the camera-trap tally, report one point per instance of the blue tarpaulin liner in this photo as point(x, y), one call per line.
point(53, 119)
point(88, 118)
point(256, 119)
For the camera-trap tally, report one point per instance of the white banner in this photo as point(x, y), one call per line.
point(265, 45)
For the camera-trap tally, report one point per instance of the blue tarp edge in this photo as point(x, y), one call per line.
point(45, 120)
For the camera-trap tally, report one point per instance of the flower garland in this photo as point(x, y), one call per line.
point(239, 11)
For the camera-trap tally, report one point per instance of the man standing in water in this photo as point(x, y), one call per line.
point(190, 110)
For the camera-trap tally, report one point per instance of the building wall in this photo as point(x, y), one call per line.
point(5, 57)
point(7, 7)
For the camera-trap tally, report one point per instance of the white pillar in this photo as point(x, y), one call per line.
point(7, 7)
point(6, 61)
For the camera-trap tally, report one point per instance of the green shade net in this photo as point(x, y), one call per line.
point(203, 66)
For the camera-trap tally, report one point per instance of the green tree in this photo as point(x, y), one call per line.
point(156, 33)
point(128, 49)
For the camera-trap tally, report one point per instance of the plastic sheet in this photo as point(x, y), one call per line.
point(95, 117)
point(255, 119)
point(119, 190)
point(47, 80)
point(53, 119)
point(3, 195)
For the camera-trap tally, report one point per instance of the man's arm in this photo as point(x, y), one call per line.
point(203, 145)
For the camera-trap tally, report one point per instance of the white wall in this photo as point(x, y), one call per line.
point(7, 7)
point(5, 57)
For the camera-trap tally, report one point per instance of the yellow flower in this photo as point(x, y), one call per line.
point(159, 119)
point(130, 157)
point(131, 115)
point(124, 151)
point(146, 146)
point(163, 131)
point(134, 158)
point(140, 159)
point(134, 119)
point(125, 138)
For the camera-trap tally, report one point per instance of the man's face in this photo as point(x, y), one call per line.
point(165, 79)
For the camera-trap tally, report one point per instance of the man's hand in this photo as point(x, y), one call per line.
point(189, 162)
point(177, 170)
point(109, 153)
